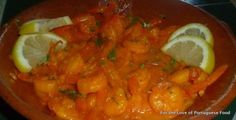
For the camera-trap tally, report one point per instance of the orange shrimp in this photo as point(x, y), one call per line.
point(211, 79)
point(168, 97)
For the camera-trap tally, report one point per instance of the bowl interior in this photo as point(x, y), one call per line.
point(22, 97)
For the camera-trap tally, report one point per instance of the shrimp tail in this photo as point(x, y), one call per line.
point(211, 79)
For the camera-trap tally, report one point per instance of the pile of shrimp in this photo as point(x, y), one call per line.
point(113, 69)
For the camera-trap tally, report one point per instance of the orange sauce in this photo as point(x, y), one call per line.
point(113, 69)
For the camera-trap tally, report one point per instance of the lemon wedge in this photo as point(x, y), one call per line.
point(192, 50)
point(194, 29)
point(31, 50)
point(44, 25)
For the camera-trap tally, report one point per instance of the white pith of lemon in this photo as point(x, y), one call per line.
point(192, 50)
point(194, 29)
point(31, 50)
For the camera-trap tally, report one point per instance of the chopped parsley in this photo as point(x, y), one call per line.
point(142, 65)
point(99, 42)
point(73, 94)
point(169, 67)
point(98, 23)
point(92, 29)
point(112, 55)
point(47, 57)
point(133, 21)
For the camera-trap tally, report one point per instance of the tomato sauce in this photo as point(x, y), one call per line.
point(113, 69)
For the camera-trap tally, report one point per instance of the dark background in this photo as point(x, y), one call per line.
point(224, 10)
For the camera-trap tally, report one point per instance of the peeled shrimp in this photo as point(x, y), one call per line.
point(116, 103)
point(92, 83)
point(167, 97)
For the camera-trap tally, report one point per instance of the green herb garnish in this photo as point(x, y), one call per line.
point(169, 67)
point(92, 29)
point(99, 42)
point(98, 23)
point(112, 55)
point(142, 65)
point(73, 94)
point(47, 57)
point(133, 21)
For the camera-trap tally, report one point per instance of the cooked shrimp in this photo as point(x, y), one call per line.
point(191, 89)
point(87, 23)
point(112, 68)
point(164, 35)
point(114, 78)
point(188, 76)
point(116, 103)
point(136, 39)
point(139, 81)
point(64, 107)
point(113, 29)
point(139, 104)
point(73, 65)
point(86, 103)
point(45, 88)
point(169, 98)
point(92, 83)
point(123, 57)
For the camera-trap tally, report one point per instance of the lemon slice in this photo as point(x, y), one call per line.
point(191, 50)
point(44, 25)
point(31, 50)
point(195, 29)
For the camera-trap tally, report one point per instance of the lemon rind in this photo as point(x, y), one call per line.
point(38, 25)
point(203, 28)
point(208, 54)
point(21, 63)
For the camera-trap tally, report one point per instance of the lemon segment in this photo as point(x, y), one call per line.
point(194, 29)
point(44, 25)
point(192, 50)
point(31, 50)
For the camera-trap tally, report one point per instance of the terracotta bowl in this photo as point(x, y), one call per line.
point(21, 96)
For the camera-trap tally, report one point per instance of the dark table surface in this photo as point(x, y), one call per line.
point(224, 10)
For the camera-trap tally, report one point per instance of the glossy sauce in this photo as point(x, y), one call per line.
point(113, 69)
